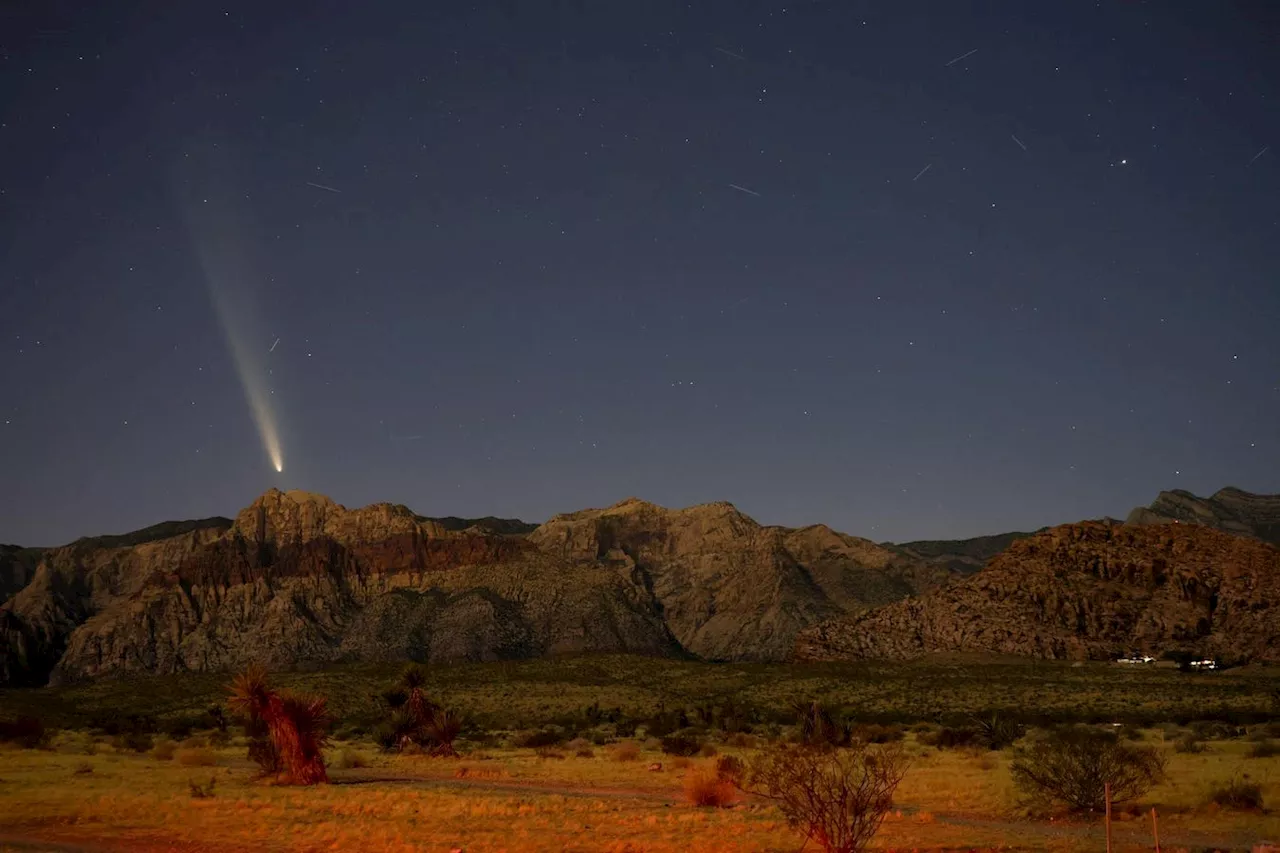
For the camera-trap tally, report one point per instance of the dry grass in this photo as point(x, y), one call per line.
point(196, 756)
point(164, 750)
point(626, 751)
point(704, 787)
point(349, 759)
point(519, 803)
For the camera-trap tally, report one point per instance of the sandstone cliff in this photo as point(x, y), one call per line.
point(17, 567)
point(297, 578)
point(728, 587)
point(300, 579)
point(1230, 509)
point(1094, 590)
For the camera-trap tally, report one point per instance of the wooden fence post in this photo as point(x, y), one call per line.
point(1155, 828)
point(1107, 793)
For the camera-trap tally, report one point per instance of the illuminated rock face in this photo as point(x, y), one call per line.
point(296, 578)
point(1087, 591)
point(1231, 510)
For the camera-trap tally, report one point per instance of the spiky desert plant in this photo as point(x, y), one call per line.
point(296, 725)
point(415, 720)
point(413, 681)
point(441, 730)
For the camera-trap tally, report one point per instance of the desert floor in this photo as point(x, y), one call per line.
point(84, 795)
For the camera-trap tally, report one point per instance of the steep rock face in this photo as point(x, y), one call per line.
point(17, 568)
point(1230, 509)
point(299, 578)
point(729, 588)
point(72, 583)
point(1093, 590)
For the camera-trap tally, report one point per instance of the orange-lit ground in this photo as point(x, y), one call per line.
point(514, 800)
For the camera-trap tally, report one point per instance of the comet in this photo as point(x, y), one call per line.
point(219, 234)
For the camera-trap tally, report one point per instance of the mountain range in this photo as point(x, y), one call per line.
point(297, 579)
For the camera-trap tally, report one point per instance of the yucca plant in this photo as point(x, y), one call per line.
point(296, 726)
point(415, 720)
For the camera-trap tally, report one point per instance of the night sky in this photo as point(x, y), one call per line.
point(903, 268)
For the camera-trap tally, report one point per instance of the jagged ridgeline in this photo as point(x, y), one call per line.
point(296, 579)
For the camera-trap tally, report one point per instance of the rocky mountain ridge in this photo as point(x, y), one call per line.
point(1232, 510)
point(1086, 591)
point(297, 578)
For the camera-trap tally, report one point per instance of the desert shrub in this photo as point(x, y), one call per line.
point(537, 739)
point(1238, 794)
point(585, 752)
point(194, 743)
point(201, 792)
point(817, 726)
point(947, 737)
point(218, 738)
point(1073, 765)
point(874, 733)
point(124, 723)
point(625, 728)
point(742, 740)
point(548, 752)
point(730, 767)
point(708, 750)
point(681, 762)
point(83, 768)
point(626, 751)
point(26, 732)
point(132, 742)
point(682, 745)
point(164, 750)
point(178, 727)
point(999, 731)
point(1188, 744)
point(705, 788)
point(1216, 730)
point(577, 744)
point(666, 722)
point(652, 744)
point(837, 798)
point(1263, 749)
point(349, 759)
point(200, 756)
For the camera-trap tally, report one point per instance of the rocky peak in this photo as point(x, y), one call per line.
point(1230, 509)
point(1091, 590)
point(296, 517)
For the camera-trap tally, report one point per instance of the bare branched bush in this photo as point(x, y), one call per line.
point(1073, 765)
point(835, 797)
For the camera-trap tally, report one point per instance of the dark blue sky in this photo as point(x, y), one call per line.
point(908, 269)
